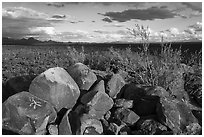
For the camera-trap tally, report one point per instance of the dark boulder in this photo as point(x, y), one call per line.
point(150, 127)
point(64, 126)
point(133, 92)
point(198, 115)
point(16, 85)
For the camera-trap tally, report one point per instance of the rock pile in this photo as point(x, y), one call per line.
point(81, 101)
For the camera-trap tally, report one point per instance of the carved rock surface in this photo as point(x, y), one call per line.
point(56, 86)
point(25, 113)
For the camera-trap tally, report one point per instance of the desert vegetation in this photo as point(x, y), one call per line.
point(179, 75)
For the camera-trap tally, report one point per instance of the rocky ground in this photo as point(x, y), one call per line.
point(81, 101)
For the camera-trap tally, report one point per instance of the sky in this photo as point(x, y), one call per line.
point(102, 21)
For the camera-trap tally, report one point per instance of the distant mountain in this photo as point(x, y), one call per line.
point(29, 41)
point(32, 41)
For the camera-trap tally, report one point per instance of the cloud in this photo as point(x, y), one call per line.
point(47, 30)
point(21, 12)
point(107, 20)
point(189, 31)
point(141, 14)
point(173, 31)
point(196, 6)
point(114, 25)
point(18, 22)
point(74, 22)
point(197, 26)
point(110, 36)
point(58, 16)
point(194, 29)
point(78, 35)
point(56, 4)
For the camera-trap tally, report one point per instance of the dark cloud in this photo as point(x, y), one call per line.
point(63, 4)
point(19, 22)
point(107, 20)
point(163, 7)
point(74, 22)
point(106, 3)
point(56, 4)
point(141, 14)
point(57, 16)
point(19, 28)
point(196, 6)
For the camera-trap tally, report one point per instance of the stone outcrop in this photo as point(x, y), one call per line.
point(56, 86)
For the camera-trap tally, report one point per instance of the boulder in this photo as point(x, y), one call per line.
point(16, 85)
point(127, 116)
point(193, 129)
point(144, 99)
point(91, 131)
point(107, 116)
point(198, 115)
point(99, 87)
point(114, 129)
point(193, 86)
point(125, 131)
point(133, 92)
point(64, 126)
point(97, 101)
point(103, 75)
point(176, 115)
point(150, 127)
point(90, 126)
point(157, 91)
point(114, 85)
point(123, 103)
point(56, 86)
point(176, 85)
point(75, 123)
point(53, 129)
point(146, 105)
point(25, 113)
point(83, 75)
